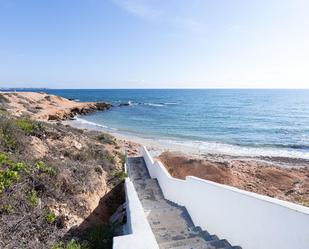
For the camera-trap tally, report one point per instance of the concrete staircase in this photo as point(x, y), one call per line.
point(170, 223)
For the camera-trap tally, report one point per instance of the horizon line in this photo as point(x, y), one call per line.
point(172, 88)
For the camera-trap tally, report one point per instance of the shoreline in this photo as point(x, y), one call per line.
point(280, 176)
point(283, 178)
point(157, 146)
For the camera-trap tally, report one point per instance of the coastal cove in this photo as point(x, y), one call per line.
point(268, 123)
point(59, 125)
point(152, 124)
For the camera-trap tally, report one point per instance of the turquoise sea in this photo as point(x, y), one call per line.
point(266, 122)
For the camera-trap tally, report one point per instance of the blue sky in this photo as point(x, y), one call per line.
point(154, 43)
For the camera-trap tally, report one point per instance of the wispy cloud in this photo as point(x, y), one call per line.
point(140, 8)
point(165, 12)
point(189, 24)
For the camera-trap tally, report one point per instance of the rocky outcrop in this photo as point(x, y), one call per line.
point(45, 107)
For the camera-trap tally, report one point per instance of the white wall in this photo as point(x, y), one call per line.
point(141, 235)
point(243, 218)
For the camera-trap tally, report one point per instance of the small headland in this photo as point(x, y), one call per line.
point(45, 107)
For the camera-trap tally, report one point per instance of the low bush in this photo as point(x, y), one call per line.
point(72, 244)
point(8, 140)
point(7, 209)
point(7, 178)
point(43, 168)
point(10, 135)
point(304, 202)
point(108, 157)
point(107, 139)
point(99, 237)
point(123, 158)
point(18, 166)
point(121, 175)
point(33, 197)
point(50, 217)
point(4, 159)
point(28, 126)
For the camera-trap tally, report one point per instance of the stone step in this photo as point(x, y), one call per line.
point(219, 244)
point(233, 247)
point(192, 243)
point(170, 222)
point(164, 235)
point(151, 205)
point(148, 184)
point(209, 237)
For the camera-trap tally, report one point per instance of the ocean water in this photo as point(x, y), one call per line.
point(253, 122)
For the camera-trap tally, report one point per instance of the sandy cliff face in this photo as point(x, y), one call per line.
point(45, 107)
point(285, 183)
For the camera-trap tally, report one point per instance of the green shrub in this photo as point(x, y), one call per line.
point(2, 187)
point(4, 159)
point(26, 125)
point(304, 202)
point(123, 158)
point(11, 171)
point(72, 244)
point(17, 166)
point(7, 209)
point(106, 138)
point(50, 217)
point(108, 157)
point(8, 140)
point(42, 167)
point(33, 197)
point(99, 237)
point(7, 177)
point(121, 175)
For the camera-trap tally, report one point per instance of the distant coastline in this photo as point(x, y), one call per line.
point(13, 89)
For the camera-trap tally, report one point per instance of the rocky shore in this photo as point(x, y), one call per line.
point(45, 107)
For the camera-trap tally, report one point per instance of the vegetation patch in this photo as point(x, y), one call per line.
point(109, 158)
point(26, 125)
point(98, 237)
point(9, 172)
point(33, 197)
point(106, 139)
point(42, 167)
point(121, 175)
point(7, 209)
point(304, 202)
point(8, 135)
point(72, 244)
point(50, 217)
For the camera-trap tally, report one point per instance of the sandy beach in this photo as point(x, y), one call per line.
point(284, 178)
